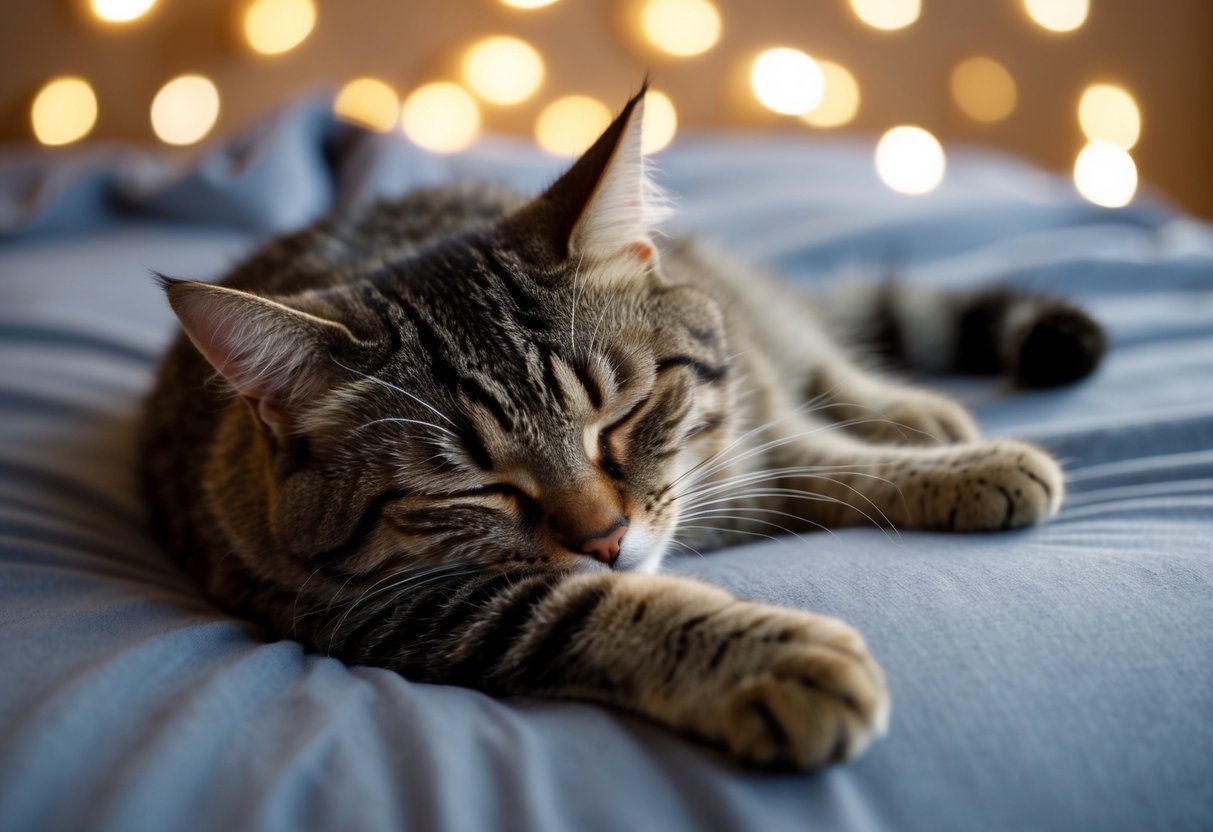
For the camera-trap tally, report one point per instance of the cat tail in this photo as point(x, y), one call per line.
point(1036, 339)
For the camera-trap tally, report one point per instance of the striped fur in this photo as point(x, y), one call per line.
point(411, 435)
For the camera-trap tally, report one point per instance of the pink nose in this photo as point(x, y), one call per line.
point(606, 547)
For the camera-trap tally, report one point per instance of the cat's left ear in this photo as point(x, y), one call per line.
point(605, 204)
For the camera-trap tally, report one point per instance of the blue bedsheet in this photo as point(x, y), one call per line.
point(1058, 678)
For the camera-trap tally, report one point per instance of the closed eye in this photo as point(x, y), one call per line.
point(703, 426)
point(606, 457)
point(527, 505)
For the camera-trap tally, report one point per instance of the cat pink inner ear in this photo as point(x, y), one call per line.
point(266, 351)
point(625, 204)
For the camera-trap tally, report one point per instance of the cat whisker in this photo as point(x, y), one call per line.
point(409, 582)
point(397, 389)
point(743, 510)
point(401, 420)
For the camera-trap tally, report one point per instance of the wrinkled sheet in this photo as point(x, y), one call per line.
point(1057, 678)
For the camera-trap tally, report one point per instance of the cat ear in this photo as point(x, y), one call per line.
point(276, 356)
point(605, 204)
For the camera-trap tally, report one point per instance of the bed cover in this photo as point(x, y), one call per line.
point(1057, 678)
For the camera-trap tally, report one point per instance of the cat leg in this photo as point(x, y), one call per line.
point(772, 686)
point(814, 475)
point(886, 411)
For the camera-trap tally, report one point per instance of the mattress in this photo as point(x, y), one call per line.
point(1056, 678)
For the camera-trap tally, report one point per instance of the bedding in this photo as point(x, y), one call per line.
point(1056, 678)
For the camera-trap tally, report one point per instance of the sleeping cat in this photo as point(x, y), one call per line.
point(455, 434)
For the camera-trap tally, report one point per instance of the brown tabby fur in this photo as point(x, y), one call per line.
point(427, 411)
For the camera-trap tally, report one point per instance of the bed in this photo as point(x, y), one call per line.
point(1057, 678)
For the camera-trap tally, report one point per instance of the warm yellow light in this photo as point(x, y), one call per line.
point(681, 27)
point(503, 70)
point(185, 109)
point(984, 89)
point(1105, 174)
point(660, 122)
point(120, 11)
point(787, 81)
point(369, 103)
point(64, 110)
point(910, 160)
point(569, 125)
point(887, 14)
point(1058, 15)
point(1108, 113)
point(442, 117)
point(839, 100)
point(276, 26)
point(528, 4)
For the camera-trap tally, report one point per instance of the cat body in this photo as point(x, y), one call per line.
point(455, 434)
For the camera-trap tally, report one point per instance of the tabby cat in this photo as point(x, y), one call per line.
point(453, 435)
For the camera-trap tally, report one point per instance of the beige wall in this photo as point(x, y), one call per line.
point(1162, 50)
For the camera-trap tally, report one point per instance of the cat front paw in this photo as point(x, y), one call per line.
point(816, 704)
point(992, 486)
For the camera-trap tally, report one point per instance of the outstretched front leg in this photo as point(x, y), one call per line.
point(811, 474)
point(772, 686)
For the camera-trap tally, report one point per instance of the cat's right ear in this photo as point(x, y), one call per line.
point(277, 357)
point(605, 205)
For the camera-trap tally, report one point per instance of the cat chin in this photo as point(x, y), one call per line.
point(641, 550)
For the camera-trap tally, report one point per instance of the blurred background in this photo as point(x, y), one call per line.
point(1117, 94)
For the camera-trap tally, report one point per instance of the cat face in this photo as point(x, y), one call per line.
point(533, 412)
point(526, 393)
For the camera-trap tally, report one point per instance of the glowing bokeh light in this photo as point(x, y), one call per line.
point(64, 110)
point(1108, 113)
point(569, 125)
point(528, 4)
point(660, 122)
point(272, 27)
point(369, 103)
point(681, 27)
point(442, 117)
point(839, 99)
point(1105, 174)
point(185, 109)
point(120, 11)
point(1058, 15)
point(984, 89)
point(502, 69)
point(910, 160)
point(787, 81)
point(887, 14)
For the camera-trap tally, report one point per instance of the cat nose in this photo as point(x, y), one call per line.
point(605, 547)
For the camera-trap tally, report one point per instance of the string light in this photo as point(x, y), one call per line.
point(1058, 15)
point(442, 117)
point(887, 14)
point(502, 69)
point(185, 109)
point(64, 110)
point(839, 100)
point(569, 125)
point(528, 4)
point(910, 160)
point(787, 81)
point(1108, 113)
point(1105, 175)
point(660, 122)
point(681, 27)
point(369, 103)
point(984, 89)
point(276, 26)
point(120, 11)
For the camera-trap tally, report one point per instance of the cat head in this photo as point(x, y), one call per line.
point(526, 393)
